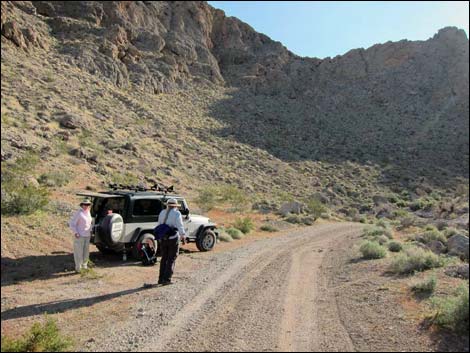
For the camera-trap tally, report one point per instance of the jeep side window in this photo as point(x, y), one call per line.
point(147, 207)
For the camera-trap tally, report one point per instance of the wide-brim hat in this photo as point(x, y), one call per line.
point(85, 202)
point(172, 202)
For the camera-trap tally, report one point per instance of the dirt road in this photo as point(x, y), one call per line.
point(261, 293)
point(270, 295)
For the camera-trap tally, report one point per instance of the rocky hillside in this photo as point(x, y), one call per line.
point(129, 91)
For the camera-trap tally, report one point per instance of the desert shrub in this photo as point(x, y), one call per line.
point(430, 236)
point(395, 246)
point(450, 232)
point(308, 220)
point(452, 312)
point(383, 224)
point(54, 179)
point(20, 196)
point(426, 286)
point(375, 232)
point(372, 250)
point(363, 220)
point(246, 224)
point(211, 195)
point(422, 204)
point(414, 259)
point(293, 218)
point(207, 198)
point(268, 228)
point(407, 222)
point(23, 200)
point(40, 338)
point(235, 233)
point(382, 240)
point(225, 237)
point(430, 227)
point(316, 208)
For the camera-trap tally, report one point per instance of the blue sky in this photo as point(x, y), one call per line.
point(330, 28)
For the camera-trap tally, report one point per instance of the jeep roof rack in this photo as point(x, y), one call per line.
point(137, 188)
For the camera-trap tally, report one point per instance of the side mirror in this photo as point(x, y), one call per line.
point(185, 212)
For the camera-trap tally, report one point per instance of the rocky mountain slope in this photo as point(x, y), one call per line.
point(177, 91)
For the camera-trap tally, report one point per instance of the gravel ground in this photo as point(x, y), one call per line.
point(261, 297)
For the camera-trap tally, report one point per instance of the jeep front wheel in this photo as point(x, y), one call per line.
point(206, 241)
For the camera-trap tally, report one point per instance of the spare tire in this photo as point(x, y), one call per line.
point(111, 231)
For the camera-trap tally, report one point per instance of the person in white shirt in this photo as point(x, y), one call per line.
point(170, 247)
point(80, 224)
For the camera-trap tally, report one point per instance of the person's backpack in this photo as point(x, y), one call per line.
point(164, 231)
point(150, 257)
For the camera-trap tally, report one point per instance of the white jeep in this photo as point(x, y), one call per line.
point(124, 219)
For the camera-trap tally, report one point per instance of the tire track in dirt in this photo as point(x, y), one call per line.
point(265, 301)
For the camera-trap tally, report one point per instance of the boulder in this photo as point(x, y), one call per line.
point(459, 271)
point(70, 121)
point(11, 31)
point(437, 247)
point(294, 207)
point(458, 246)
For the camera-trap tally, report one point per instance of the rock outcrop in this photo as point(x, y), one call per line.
point(401, 104)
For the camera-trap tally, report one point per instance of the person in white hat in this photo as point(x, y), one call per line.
point(81, 227)
point(170, 246)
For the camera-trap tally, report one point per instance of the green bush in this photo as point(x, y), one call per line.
point(425, 287)
point(268, 228)
point(19, 194)
point(22, 200)
point(54, 179)
point(316, 208)
point(450, 232)
point(207, 198)
point(452, 312)
point(225, 237)
point(246, 225)
point(293, 218)
point(372, 250)
point(382, 240)
point(414, 259)
point(40, 338)
point(383, 224)
point(374, 232)
point(235, 233)
point(212, 195)
point(394, 246)
point(430, 236)
point(422, 204)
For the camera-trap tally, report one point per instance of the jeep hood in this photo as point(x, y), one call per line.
point(199, 219)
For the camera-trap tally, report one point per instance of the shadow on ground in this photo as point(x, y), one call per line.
point(62, 305)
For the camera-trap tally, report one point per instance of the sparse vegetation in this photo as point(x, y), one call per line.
point(245, 225)
point(394, 246)
point(414, 259)
point(20, 195)
point(211, 196)
point(316, 208)
point(40, 338)
point(235, 233)
point(372, 250)
point(225, 237)
point(54, 179)
point(268, 228)
point(426, 286)
point(453, 311)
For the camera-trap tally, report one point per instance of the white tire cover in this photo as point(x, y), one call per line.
point(116, 227)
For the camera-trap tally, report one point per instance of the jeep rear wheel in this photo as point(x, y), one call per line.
point(137, 248)
point(111, 230)
point(206, 241)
